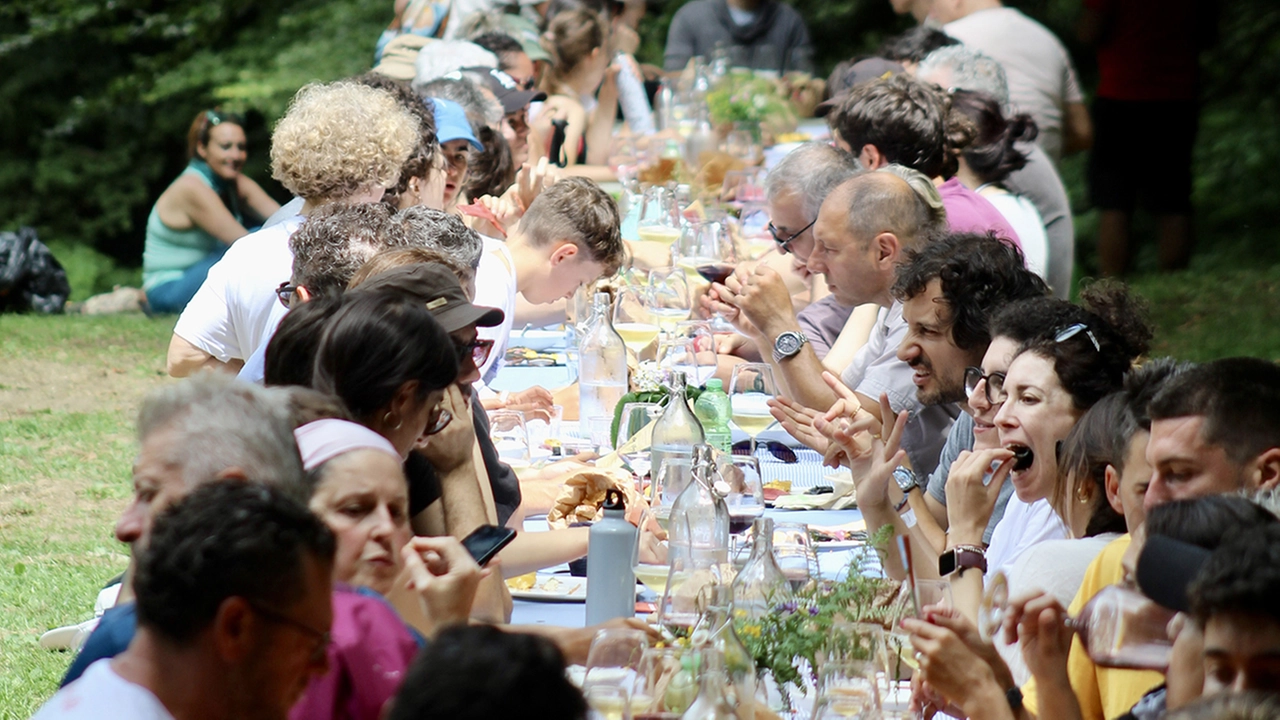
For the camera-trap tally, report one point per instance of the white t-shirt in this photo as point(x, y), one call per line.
point(1057, 567)
point(1042, 80)
point(1026, 221)
point(101, 694)
point(496, 287)
point(876, 369)
point(1023, 525)
point(236, 308)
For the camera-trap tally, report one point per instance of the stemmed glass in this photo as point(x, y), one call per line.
point(1119, 628)
point(848, 689)
point(683, 355)
point(746, 490)
point(707, 250)
point(750, 389)
point(635, 416)
point(667, 686)
point(797, 557)
point(659, 216)
point(633, 319)
point(613, 663)
point(669, 298)
point(668, 481)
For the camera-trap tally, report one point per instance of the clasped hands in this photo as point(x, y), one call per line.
point(756, 301)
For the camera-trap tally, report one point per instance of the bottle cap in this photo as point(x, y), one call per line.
point(715, 384)
point(613, 500)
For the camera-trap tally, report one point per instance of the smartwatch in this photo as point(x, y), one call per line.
point(961, 558)
point(787, 345)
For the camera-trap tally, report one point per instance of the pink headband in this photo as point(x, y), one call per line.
point(324, 440)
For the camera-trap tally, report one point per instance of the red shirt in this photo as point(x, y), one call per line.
point(1149, 49)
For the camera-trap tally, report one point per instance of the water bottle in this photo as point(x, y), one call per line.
point(714, 411)
point(676, 431)
point(602, 372)
point(611, 583)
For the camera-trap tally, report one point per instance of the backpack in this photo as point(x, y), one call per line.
point(31, 278)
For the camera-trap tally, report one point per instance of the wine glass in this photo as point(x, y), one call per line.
point(607, 702)
point(667, 686)
point(668, 481)
point(746, 490)
point(614, 658)
point(510, 434)
point(633, 319)
point(659, 216)
point(750, 389)
point(743, 186)
point(753, 229)
point(669, 297)
point(635, 416)
point(848, 689)
point(796, 555)
point(683, 355)
point(1119, 627)
point(708, 251)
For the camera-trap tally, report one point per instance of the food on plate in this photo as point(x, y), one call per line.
point(522, 582)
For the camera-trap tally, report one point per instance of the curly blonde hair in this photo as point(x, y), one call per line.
point(340, 138)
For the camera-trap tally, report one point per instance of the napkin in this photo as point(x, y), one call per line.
point(842, 498)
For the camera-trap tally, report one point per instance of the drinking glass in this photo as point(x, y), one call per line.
point(659, 216)
point(635, 416)
point(741, 144)
point(608, 702)
point(752, 225)
point(668, 481)
point(707, 251)
point(510, 435)
point(687, 581)
point(633, 319)
point(697, 331)
point(669, 297)
point(848, 689)
point(750, 389)
point(614, 660)
point(1119, 627)
point(746, 490)
point(667, 686)
point(743, 186)
point(796, 555)
point(683, 355)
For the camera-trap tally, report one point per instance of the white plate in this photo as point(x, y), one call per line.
point(558, 588)
point(536, 339)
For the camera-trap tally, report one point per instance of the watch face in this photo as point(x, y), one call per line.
point(788, 343)
point(947, 563)
point(905, 479)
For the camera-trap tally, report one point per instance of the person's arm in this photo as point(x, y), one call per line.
point(851, 339)
point(1036, 622)
point(969, 507)
point(444, 578)
point(185, 359)
point(1077, 129)
point(600, 127)
point(189, 196)
point(255, 197)
point(532, 551)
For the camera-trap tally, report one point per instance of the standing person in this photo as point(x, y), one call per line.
point(1146, 114)
point(770, 35)
point(233, 613)
point(201, 213)
point(1042, 79)
point(582, 90)
point(341, 142)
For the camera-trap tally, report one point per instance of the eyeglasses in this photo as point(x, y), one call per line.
point(322, 638)
point(994, 390)
point(778, 450)
point(1071, 331)
point(479, 350)
point(785, 245)
point(439, 420)
point(285, 291)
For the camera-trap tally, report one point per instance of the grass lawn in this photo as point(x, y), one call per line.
point(70, 386)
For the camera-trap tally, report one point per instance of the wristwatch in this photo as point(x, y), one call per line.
point(788, 345)
point(906, 479)
point(961, 558)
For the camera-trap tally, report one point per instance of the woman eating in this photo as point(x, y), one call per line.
point(201, 213)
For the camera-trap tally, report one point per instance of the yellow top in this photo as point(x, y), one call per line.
point(1103, 692)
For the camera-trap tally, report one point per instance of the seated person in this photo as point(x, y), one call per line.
point(233, 606)
point(340, 142)
point(201, 213)
point(579, 42)
point(759, 34)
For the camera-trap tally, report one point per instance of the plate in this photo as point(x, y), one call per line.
point(536, 339)
point(548, 587)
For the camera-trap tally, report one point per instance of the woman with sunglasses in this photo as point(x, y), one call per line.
point(208, 207)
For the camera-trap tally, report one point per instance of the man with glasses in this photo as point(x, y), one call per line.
point(233, 607)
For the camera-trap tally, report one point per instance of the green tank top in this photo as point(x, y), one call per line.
point(168, 253)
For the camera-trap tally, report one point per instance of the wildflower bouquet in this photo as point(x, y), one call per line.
point(800, 628)
point(744, 98)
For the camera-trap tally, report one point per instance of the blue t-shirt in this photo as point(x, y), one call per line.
point(114, 633)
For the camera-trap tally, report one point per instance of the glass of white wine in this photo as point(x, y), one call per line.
point(848, 690)
point(750, 389)
point(633, 319)
point(669, 298)
point(659, 216)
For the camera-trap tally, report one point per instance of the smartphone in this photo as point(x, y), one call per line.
point(486, 541)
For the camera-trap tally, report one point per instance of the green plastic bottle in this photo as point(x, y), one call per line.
point(713, 411)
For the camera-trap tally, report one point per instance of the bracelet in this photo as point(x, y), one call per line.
point(906, 498)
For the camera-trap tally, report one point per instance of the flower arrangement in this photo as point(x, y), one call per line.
point(801, 628)
point(648, 385)
point(744, 98)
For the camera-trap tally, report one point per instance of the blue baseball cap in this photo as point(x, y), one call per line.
point(452, 124)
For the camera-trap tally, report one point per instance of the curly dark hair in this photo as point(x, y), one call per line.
point(914, 44)
point(335, 240)
point(424, 155)
point(1092, 362)
point(1239, 399)
point(480, 672)
point(993, 153)
point(1242, 577)
point(374, 344)
point(910, 123)
point(1140, 385)
point(492, 171)
point(227, 538)
point(979, 275)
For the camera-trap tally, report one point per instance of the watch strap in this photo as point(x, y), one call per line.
point(801, 338)
point(965, 557)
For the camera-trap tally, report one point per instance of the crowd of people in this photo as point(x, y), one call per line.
point(301, 494)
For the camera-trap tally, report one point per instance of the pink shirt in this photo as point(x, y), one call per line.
point(967, 211)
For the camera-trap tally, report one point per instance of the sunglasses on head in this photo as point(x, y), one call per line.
point(1071, 331)
point(777, 449)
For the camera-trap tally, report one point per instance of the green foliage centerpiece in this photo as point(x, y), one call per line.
point(741, 98)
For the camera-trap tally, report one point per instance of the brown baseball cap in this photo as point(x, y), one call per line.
point(436, 286)
point(860, 72)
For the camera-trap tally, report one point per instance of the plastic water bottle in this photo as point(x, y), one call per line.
point(602, 372)
point(676, 431)
point(611, 583)
point(714, 411)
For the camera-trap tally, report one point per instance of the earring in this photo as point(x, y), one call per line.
point(1082, 495)
point(386, 420)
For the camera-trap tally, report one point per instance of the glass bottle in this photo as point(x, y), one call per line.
point(713, 701)
point(677, 430)
point(699, 522)
point(760, 586)
point(715, 628)
point(602, 371)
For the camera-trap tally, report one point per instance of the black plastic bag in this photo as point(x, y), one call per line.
point(31, 278)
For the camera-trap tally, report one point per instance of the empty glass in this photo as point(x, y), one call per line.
point(635, 416)
point(510, 435)
point(668, 684)
point(848, 689)
point(796, 555)
point(683, 356)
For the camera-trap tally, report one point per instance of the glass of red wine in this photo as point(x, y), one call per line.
point(1119, 627)
point(707, 250)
